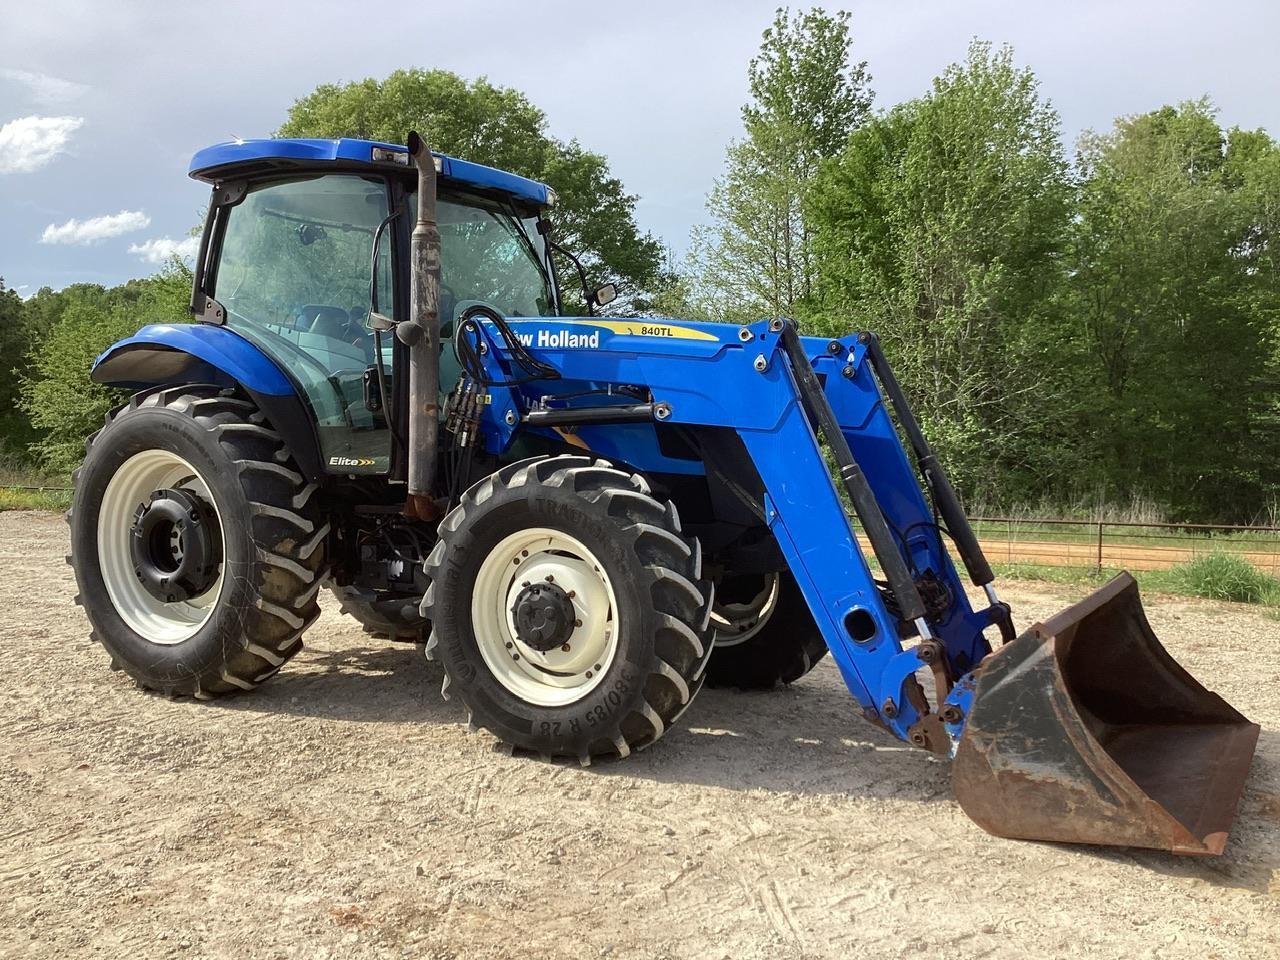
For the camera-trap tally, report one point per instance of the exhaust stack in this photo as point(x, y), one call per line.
point(421, 334)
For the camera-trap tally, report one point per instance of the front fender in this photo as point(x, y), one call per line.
point(189, 353)
point(165, 353)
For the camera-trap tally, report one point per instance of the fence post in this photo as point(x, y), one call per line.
point(1099, 547)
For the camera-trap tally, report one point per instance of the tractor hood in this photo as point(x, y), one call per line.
point(238, 158)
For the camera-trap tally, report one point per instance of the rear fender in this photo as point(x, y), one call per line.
point(165, 353)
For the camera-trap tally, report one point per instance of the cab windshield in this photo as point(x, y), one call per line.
point(491, 253)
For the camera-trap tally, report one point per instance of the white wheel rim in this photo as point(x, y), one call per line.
point(555, 677)
point(735, 623)
point(131, 486)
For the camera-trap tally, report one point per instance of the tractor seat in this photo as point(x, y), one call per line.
point(325, 320)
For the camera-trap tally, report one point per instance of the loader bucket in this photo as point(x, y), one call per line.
point(1085, 730)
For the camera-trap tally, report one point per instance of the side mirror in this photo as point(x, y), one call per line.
point(604, 294)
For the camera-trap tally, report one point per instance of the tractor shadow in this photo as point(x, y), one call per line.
point(807, 739)
point(378, 683)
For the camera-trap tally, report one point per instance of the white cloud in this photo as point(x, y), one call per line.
point(44, 88)
point(95, 228)
point(162, 249)
point(29, 143)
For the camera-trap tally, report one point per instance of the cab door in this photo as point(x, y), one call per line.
point(295, 273)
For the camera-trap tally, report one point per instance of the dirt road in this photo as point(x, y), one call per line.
point(344, 811)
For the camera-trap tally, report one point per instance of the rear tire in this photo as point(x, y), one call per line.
point(764, 633)
point(215, 446)
point(567, 608)
point(395, 619)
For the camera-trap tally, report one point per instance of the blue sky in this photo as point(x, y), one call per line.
point(102, 104)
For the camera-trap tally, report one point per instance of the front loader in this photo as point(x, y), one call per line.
point(585, 519)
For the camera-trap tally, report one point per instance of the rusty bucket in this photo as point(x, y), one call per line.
point(1085, 730)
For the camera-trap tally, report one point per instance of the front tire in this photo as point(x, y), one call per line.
point(567, 608)
point(197, 545)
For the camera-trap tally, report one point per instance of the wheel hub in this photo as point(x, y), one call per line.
point(175, 545)
point(544, 617)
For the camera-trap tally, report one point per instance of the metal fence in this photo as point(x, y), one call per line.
point(1112, 544)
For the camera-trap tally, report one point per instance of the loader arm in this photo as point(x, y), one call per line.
point(1083, 729)
point(744, 379)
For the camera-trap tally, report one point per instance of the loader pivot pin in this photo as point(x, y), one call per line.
point(544, 617)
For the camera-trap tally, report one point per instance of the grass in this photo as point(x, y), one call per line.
point(1215, 576)
point(1223, 576)
point(15, 498)
point(25, 487)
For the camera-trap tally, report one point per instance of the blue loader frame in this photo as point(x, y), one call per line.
point(763, 381)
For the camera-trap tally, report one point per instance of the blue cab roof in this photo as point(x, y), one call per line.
point(220, 160)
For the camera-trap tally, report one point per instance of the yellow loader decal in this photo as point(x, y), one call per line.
point(645, 328)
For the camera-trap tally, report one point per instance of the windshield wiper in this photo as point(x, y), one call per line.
point(512, 226)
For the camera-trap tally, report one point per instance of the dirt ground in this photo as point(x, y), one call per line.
point(343, 810)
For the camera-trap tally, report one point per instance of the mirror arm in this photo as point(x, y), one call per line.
point(582, 273)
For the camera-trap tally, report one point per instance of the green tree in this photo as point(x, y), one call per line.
point(500, 127)
point(15, 344)
point(941, 226)
point(76, 325)
point(1175, 290)
point(755, 257)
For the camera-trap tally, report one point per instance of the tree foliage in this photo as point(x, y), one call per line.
point(500, 127)
point(76, 324)
point(1103, 332)
point(1174, 287)
point(756, 256)
point(1088, 330)
point(942, 226)
point(15, 342)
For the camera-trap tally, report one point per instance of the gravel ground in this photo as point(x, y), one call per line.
point(344, 811)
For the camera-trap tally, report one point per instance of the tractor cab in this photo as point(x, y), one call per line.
point(306, 248)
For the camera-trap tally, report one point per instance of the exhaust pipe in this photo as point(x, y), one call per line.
point(421, 334)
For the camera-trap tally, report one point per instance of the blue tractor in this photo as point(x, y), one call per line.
point(584, 519)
